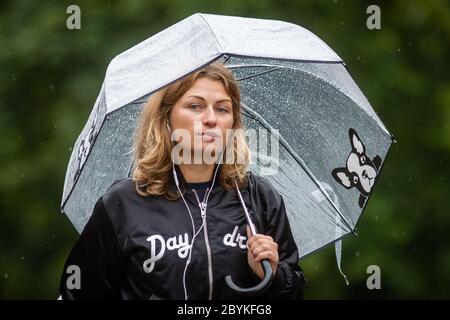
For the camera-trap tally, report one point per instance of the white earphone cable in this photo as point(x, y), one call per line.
point(208, 192)
point(192, 222)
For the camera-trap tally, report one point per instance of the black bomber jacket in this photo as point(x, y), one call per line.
point(136, 247)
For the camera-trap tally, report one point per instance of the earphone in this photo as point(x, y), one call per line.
point(177, 183)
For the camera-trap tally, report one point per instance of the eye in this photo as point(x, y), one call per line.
point(363, 159)
point(194, 106)
point(223, 109)
point(355, 179)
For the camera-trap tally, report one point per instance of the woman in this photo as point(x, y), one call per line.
point(177, 228)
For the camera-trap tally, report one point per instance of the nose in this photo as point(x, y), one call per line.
point(209, 118)
point(364, 174)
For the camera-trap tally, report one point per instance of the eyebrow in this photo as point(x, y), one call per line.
point(201, 98)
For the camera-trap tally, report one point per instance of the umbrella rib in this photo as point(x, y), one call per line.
point(260, 119)
point(260, 73)
point(379, 123)
point(129, 169)
point(237, 66)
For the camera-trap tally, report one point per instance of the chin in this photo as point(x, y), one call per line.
point(206, 152)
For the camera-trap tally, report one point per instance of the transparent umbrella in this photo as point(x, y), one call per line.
point(327, 145)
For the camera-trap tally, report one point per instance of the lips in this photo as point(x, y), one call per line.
point(209, 136)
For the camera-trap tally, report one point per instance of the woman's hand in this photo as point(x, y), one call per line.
point(261, 247)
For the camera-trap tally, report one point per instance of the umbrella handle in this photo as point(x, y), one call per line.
point(259, 288)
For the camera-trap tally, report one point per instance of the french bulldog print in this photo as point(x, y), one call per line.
point(360, 171)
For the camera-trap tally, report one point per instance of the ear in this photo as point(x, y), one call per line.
point(356, 143)
point(362, 200)
point(341, 175)
point(377, 162)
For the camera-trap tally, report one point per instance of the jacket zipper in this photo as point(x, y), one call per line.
point(203, 206)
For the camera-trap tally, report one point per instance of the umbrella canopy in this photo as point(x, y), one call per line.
point(329, 143)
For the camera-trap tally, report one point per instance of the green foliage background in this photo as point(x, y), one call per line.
point(50, 77)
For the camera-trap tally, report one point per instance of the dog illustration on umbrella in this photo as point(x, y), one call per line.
point(360, 171)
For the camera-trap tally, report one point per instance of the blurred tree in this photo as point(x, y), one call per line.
point(50, 77)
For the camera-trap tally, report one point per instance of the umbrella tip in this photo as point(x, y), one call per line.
point(393, 139)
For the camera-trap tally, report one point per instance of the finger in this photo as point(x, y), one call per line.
point(265, 247)
point(257, 250)
point(269, 255)
point(263, 237)
point(251, 255)
point(258, 243)
point(252, 245)
point(250, 237)
point(249, 233)
point(259, 240)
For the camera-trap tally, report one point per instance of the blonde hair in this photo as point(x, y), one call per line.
point(153, 146)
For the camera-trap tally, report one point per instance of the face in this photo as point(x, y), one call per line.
point(205, 112)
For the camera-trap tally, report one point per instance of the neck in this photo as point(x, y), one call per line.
point(194, 173)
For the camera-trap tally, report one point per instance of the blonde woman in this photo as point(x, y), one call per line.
point(177, 228)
